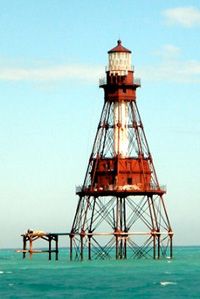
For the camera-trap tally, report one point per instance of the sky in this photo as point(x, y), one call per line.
point(52, 54)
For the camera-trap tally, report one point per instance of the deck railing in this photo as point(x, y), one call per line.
point(103, 81)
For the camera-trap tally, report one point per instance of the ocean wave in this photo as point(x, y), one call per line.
point(166, 283)
point(167, 272)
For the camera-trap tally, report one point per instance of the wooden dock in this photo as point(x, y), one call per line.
point(51, 238)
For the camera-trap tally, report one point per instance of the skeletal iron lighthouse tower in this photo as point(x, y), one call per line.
point(121, 211)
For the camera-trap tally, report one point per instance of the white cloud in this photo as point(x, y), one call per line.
point(168, 51)
point(172, 67)
point(184, 16)
point(176, 71)
point(55, 73)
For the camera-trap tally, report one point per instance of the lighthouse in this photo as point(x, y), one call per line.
point(121, 210)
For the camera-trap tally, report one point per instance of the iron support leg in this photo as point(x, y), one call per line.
point(117, 249)
point(158, 246)
point(89, 248)
point(56, 239)
point(31, 247)
point(171, 248)
point(24, 247)
point(125, 251)
point(81, 253)
point(49, 248)
point(71, 248)
point(154, 247)
point(121, 250)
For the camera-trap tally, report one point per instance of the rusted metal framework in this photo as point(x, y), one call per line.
point(121, 211)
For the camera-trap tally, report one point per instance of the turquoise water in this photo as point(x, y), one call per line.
point(177, 278)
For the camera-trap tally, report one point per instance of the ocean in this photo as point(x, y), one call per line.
point(144, 278)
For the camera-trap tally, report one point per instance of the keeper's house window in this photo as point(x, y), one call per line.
point(129, 181)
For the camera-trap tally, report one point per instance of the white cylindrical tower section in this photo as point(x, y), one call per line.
point(119, 60)
point(119, 63)
point(121, 140)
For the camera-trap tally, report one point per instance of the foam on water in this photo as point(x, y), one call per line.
point(166, 283)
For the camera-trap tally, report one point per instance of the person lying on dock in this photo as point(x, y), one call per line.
point(35, 233)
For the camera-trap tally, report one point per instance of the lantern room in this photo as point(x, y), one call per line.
point(119, 60)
